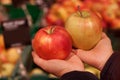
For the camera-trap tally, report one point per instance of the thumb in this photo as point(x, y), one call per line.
point(87, 57)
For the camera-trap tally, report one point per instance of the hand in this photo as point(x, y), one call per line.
point(97, 56)
point(59, 67)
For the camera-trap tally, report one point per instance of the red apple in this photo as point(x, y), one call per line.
point(2, 41)
point(52, 42)
point(3, 57)
point(50, 18)
point(115, 23)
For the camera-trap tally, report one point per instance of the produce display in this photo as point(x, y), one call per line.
point(109, 11)
point(8, 58)
point(59, 12)
point(68, 24)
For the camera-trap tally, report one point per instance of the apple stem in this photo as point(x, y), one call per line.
point(78, 8)
point(84, 14)
point(50, 31)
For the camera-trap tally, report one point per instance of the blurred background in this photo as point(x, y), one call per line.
point(21, 19)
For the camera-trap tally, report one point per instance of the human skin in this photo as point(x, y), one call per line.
point(59, 67)
point(97, 56)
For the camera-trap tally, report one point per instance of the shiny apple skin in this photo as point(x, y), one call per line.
point(85, 31)
point(52, 42)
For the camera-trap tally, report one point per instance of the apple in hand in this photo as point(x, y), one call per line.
point(85, 28)
point(52, 42)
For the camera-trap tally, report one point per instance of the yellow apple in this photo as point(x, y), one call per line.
point(6, 2)
point(7, 69)
point(13, 55)
point(93, 70)
point(37, 71)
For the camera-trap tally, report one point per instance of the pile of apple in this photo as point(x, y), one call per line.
point(109, 10)
point(61, 10)
point(8, 59)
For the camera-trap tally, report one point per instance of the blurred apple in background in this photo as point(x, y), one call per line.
point(115, 23)
point(13, 55)
point(2, 41)
point(8, 58)
point(3, 56)
point(61, 10)
point(93, 70)
point(52, 76)
point(6, 69)
point(6, 2)
point(37, 71)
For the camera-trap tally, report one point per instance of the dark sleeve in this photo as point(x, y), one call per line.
point(111, 70)
point(78, 75)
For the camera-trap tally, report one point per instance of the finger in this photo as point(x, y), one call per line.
point(73, 58)
point(71, 54)
point(36, 58)
point(74, 51)
point(39, 61)
point(86, 57)
point(104, 40)
point(104, 36)
point(32, 40)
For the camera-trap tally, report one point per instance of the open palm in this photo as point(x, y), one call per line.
point(97, 56)
point(59, 67)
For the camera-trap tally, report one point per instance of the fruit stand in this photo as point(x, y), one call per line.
point(38, 15)
point(10, 57)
